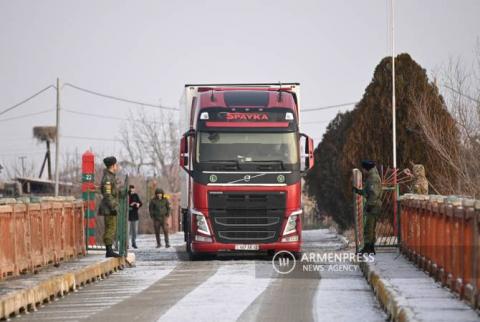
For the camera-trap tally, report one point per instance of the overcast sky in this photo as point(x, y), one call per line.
point(147, 51)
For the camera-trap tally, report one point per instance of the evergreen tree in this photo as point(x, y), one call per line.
point(366, 133)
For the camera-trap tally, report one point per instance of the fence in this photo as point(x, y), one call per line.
point(386, 230)
point(442, 236)
point(38, 234)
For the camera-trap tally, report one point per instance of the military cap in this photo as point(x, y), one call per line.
point(109, 161)
point(158, 190)
point(368, 164)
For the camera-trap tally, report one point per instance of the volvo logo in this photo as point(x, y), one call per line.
point(281, 178)
point(247, 178)
point(213, 178)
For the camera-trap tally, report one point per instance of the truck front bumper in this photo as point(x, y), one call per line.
point(215, 247)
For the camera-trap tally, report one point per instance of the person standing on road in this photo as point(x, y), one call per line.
point(134, 204)
point(159, 209)
point(109, 205)
point(373, 192)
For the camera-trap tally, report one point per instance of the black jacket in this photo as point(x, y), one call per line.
point(133, 210)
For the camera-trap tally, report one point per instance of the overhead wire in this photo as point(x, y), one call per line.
point(328, 107)
point(27, 115)
point(95, 115)
point(90, 138)
point(103, 116)
point(26, 100)
point(121, 99)
point(462, 94)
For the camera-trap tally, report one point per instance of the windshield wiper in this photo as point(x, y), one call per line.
point(270, 161)
point(235, 162)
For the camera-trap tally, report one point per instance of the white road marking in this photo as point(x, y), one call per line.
point(235, 283)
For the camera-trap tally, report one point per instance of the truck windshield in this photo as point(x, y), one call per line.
point(247, 147)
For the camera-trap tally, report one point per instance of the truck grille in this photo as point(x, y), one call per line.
point(252, 217)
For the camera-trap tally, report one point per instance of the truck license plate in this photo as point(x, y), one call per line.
point(247, 247)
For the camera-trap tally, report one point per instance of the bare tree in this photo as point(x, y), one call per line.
point(14, 169)
point(151, 143)
point(460, 85)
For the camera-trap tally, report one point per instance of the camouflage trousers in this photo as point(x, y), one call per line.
point(370, 225)
point(110, 230)
point(157, 224)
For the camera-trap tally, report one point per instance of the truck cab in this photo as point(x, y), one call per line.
point(244, 157)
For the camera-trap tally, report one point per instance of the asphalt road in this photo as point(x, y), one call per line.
point(165, 286)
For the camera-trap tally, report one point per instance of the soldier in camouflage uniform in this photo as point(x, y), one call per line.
point(420, 182)
point(159, 208)
point(372, 191)
point(109, 204)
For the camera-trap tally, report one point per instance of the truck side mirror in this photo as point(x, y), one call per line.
point(307, 157)
point(184, 150)
point(310, 155)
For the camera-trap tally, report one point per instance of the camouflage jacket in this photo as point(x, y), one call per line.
point(420, 183)
point(159, 208)
point(109, 190)
point(373, 188)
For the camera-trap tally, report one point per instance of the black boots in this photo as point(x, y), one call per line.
point(368, 248)
point(110, 252)
point(134, 245)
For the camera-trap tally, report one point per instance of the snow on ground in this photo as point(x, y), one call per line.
point(428, 300)
point(223, 297)
point(322, 239)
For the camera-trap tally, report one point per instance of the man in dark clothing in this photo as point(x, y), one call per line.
point(159, 211)
point(109, 205)
point(372, 191)
point(134, 204)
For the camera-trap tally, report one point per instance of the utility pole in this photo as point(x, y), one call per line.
point(23, 164)
point(394, 133)
point(394, 117)
point(57, 140)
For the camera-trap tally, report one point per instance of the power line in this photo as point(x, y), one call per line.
point(315, 122)
point(26, 100)
point(118, 98)
point(96, 115)
point(462, 94)
point(90, 138)
point(328, 107)
point(27, 115)
point(108, 116)
point(22, 153)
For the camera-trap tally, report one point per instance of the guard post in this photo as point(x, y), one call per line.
point(88, 194)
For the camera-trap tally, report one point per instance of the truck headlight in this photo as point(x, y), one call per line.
point(291, 226)
point(202, 226)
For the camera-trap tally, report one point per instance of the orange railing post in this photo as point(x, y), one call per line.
point(442, 235)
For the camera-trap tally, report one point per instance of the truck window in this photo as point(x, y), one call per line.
point(247, 147)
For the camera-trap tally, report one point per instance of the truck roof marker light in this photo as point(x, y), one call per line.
point(204, 116)
point(289, 116)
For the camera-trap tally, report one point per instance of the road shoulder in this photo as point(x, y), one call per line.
point(408, 294)
point(26, 293)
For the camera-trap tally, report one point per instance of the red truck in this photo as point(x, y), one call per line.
point(244, 158)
